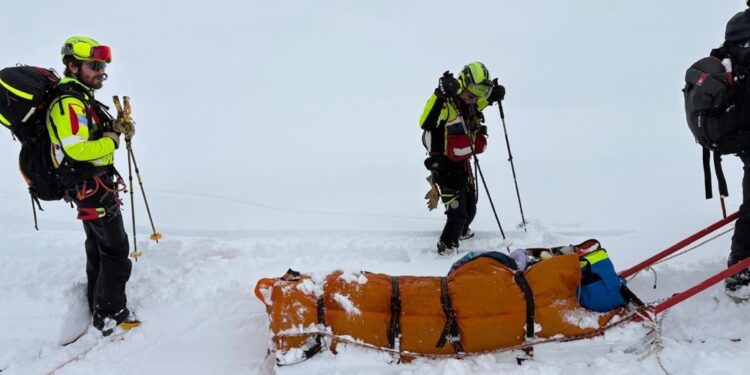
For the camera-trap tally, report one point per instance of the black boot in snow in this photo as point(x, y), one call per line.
point(123, 320)
point(466, 234)
point(444, 249)
point(737, 286)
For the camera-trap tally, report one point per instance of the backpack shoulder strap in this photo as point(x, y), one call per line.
point(707, 172)
point(56, 96)
point(68, 90)
point(723, 190)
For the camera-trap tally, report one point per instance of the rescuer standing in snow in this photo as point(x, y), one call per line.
point(84, 138)
point(452, 122)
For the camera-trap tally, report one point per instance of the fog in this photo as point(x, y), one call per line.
point(304, 115)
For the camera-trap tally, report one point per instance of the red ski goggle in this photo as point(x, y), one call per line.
point(84, 51)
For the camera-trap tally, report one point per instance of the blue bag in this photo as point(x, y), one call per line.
point(601, 288)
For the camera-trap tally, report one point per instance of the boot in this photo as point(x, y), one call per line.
point(124, 320)
point(444, 249)
point(466, 234)
point(737, 286)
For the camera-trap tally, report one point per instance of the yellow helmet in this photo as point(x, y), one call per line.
point(475, 78)
point(85, 49)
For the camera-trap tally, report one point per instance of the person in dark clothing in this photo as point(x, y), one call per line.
point(738, 285)
point(737, 47)
point(84, 138)
point(453, 131)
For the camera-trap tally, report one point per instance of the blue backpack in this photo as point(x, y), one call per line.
point(601, 289)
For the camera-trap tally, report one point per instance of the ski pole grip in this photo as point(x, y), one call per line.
point(495, 83)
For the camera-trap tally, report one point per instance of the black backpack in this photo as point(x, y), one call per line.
point(25, 92)
point(716, 108)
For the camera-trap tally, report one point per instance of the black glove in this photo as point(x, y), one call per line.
point(436, 163)
point(482, 130)
point(448, 86)
point(480, 117)
point(497, 94)
point(431, 164)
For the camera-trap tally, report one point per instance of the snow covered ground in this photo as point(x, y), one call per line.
point(194, 295)
point(276, 135)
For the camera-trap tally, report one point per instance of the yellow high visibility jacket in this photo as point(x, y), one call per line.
point(440, 119)
point(75, 129)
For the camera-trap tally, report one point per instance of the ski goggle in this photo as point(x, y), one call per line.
point(84, 51)
point(479, 90)
point(98, 66)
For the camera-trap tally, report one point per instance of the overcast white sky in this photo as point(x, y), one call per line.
point(309, 108)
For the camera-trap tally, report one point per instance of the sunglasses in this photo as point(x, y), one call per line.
point(97, 66)
point(83, 51)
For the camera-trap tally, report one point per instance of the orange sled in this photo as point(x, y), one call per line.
point(483, 306)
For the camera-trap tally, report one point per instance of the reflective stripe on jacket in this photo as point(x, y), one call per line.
point(436, 114)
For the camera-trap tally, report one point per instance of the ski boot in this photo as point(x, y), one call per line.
point(466, 235)
point(737, 286)
point(444, 249)
point(123, 320)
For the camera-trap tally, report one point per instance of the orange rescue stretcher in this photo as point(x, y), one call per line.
point(482, 306)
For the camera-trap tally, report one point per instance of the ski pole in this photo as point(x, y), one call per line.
point(476, 163)
point(135, 254)
point(510, 159)
point(123, 113)
point(126, 124)
point(476, 187)
point(489, 197)
point(155, 236)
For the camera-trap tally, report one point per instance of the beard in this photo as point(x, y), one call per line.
point(95, 81)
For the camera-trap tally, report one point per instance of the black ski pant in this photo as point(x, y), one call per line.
point(459, 196)
point(741, 240)
point(107, 265)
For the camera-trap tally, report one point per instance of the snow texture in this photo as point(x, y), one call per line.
point(347, 304)
point(195, 298)
point(309, 286)
point(354, 277)
point(278, 135)
point(583, 318)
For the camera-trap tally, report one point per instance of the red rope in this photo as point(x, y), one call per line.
point(82, 194)
point(118, 182)
point(687, 241)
